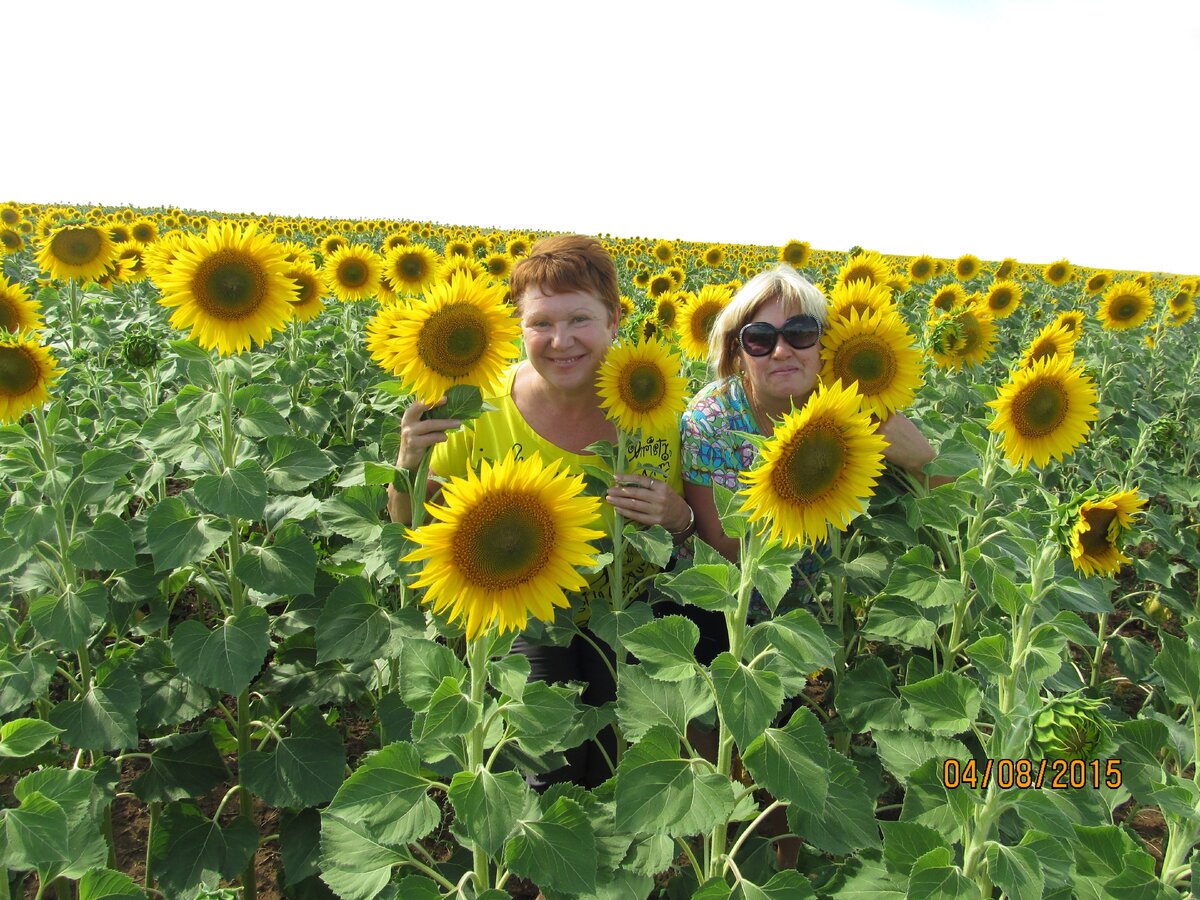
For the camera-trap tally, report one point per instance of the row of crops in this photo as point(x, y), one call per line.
point(226, 672)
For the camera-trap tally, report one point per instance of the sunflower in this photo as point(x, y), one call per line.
point(10, 213)
point(132, 255)
point(920, 268)
point(507, 544)
point(677, 276)
point(394, 240)
point(1098, 529)
point(865, 265)
point(640, 386)
point(818, 468)
point(333, 243)
point(1003, 298)
point(457, 248)
point(947, 299)
point(1043, 412)
point(144, 231)
point(1055, 339)
point(696, 319)
point(1126, 305)
point(461, 332)
point(795, 253)
point(11, 241)
point(307, 304)
point(1072, 320)
point(230, 288)
point(516, 247)
point(84, 252)
point(1058, 273)
point(1180, 314)
point(965, 336)
point(877, 351)
point(659, 284)
point(353, 272)
point(967, 267)
point(627, 307)
point(1005, 269)
point(27, 369)
point(666, 310)
point(17, 311)
point(714, 256)
point(411, 269)
point(462, 265)
point(499, 266)
point(1098, 282)
point(859, 296)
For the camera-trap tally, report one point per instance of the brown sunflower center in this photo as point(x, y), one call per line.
point(1125, 307)
point(229, 284)
point(703, 320)
point(1040, 408)
point(9, 216)
point(869, 361)
point(642, 387)
point(353, 273)
point(966, 269)
point(411, 267)
point(76, 246)
point(19, 372)
point(1095, 537)
point(921, 268)
point(10, 240)
point(666, 314)
point(1042, 349)
point(1000, 298)
point(504, 541)
point(812, 465)
point(306, 287)
point(860, 273)
point(1056, 273)
point(8, 314)
point(453, 340)
point(794, 254)
point(945, 300)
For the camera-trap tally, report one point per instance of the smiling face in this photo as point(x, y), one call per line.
point(566, 337)
point(785, 375)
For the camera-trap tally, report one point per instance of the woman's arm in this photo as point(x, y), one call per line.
point(908, 449)
point(650, 501)
point(417, 435)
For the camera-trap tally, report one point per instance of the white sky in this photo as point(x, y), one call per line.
point(1039, 130)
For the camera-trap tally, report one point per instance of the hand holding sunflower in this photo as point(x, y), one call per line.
point(418, 434)
point(649, 501)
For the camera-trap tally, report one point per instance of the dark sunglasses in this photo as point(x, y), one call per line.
point(760, 338)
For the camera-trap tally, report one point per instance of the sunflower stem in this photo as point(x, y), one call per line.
point(1098, 655)
point(617, 578)
point(477, 654)
point(75, 312)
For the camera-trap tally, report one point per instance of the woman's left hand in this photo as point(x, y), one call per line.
point(642, 498)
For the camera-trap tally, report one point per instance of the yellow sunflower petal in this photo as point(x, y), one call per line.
point(640, 387)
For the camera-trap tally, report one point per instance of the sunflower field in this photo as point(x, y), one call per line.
point(225, 672)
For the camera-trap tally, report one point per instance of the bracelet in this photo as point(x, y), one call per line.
point(689, 528)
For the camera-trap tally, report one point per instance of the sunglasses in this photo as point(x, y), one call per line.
point(760, 338)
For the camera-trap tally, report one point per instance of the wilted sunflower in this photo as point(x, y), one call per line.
point(230, 288)
point(461, 332)
point(877, 351)
point(1126, 305)
point(967, 267)
point(1097, 282)
point(696, 319)
point(27, 369)
point(352, 273)
point(1043, 412)
point(307, 304)
point(1003, 298)
point(920, 268)
point(1055, 339)
point(640, 387)
point(18, 312)
point(795, 253)
point(818, 468)
point(947, 299)
point(859, 296)
point(866, 265)
point(84, 252)
point(411, 269)
point(507, 544)
point(963, 337)
point(1099, 528)
point(1058, 273)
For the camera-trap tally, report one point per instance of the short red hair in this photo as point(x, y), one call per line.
point(565, 263)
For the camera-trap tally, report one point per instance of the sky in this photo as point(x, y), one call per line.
point(1037, 129)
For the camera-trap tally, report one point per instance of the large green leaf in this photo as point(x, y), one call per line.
point(168, 698)
point(24, 678)
point(747, 699)
point(240, 492)
point(70, 617)
point(355, 863)
point(36, 833)
point(847, 823)
point(450, 712)
point(948, 702)
point(906, 842)
point(1016, 871)
point(666, 647)
point(260, 419)
point(423, 665)
point(354, 513)
point(300, 845)
point(798, 639)
point(103, 718)
point(20, 737)
point(226, 657)
point(934, 878)
point(303, 769)
point(176, 537)
point(101, 466)
point(105, 884)
point(914, 577)
point(487, 806)
point(296, 463)
point(181, 766)
point(867, 698)
point(1179, 666)
point(789, 885)
point(382, 792)
point(107, 544)
point(903, 752)
point(189, 850)
point(543, 716)
point(287, 567)
point(352, 625)
point(557, 851)
point(644, 702)
point(792, 762)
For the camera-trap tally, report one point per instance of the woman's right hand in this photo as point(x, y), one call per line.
point(417, 435)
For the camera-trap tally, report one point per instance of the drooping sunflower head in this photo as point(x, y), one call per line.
point(1126, 305)
point(352, 273)
point(1003, 298)
point(84, 252)
point(507, 545)
point(18, 311)
point(1099, 530)
point(1097, 282)
point(1072, 320)
point(1054, 339)
point(640, 387)
point(1044, 412)
point(27, 370)
point(866, 265)
point(947, 299)
point(876, 352)
point(697, 317)
point(921, 268)
point(411, 268)
point(795, 253)
point(969, 342)
point(967, 267)
point(817, 470)
point(461, 332)
point(1058, 273)
point(859, 296)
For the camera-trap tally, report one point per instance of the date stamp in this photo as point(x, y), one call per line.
point(1056, 774)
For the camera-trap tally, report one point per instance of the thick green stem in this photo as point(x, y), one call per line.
point(154, 809)
point(616, 572)
point(1098, 655)
point(477, 653)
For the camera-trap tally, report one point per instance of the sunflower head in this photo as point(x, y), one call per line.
point(967, 267)
point(963, 337)
point(920, 268)
point(18, 312)
point(947, 298)
point(1003, 298)
point(1044, 412)
point(876, 353)
point(1054, 339)
point(1097, 282)
point(1058, 273)
point(27, 370)
point(1126, 305)
point(865, 265)
point(1070, 727)
point(714, 256)
point(795, 253)
point(506, 545)
point(697, 317)
point(860, 296)
point(84, 252)
point(1005, 269)
point(352, 273)
point(1096, 527)
point(640, 387)
point(11, 240)
point(411, 268)
point(1072, 320)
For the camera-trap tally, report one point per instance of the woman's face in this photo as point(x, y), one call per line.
point(785, 376)
point(566, 336)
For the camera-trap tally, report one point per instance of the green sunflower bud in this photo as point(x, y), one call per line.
point(140, 351)
point(1070, 727)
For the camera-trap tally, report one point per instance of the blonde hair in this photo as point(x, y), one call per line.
point(795, 293)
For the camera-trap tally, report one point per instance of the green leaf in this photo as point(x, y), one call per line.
point(260, 419)
point(228, 656)
point(287, 567)
point(381, 793)
point(1056, 860)
point(24, 678)
point(1016, 871)
point(354, 513)
point(934, 878)
point(543, 717)
point(71, 617)
point(773, 574)
point(20, 737)
point(36, 833)
point(240, 492)
point(991, 655)
point(1105, 851)
point(902, 752)
point(711, 583)
point(905, 842)
point(792, 762)
point(643, 702)
point(303, 769)
point(747, 699)
point(300, 845)
point(734, 522)
point(296, 463)
point(867, 699)
point(948, 702)
point(509, 675)
point(800, 643)
point(352, 626)
point(450, 712)
point(105, 884)
point(463, 401)
point(423, 665)
point(847, 823)
point(788, 885)
point(181, 766)
point(1179, 666)
point(666, 647)
point(654, 543)
point(103, 718)
point(557, 851)
point(27, 525)
point(168, 698)
point(901, 620)
point(913, 577)
point(189, 850)
point(176, 537)
point(102, 466)
point(927, 801)
point(487, 806)
point(107, 544)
